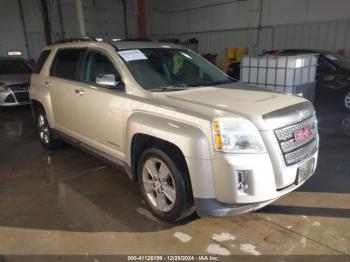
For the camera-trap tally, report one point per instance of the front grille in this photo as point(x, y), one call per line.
point(22, 97)
point(19, 87)
point(288, 132)
point(301, 153)
point(295, 151)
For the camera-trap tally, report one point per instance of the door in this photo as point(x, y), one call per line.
point(101, 107)
point(63, 82)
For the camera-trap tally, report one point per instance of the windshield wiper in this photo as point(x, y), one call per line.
point(214, 83)
point(167, 88)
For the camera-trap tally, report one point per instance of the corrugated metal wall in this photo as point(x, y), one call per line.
point(11, 27)
point(332, 35)
point(216, 41)
point(104, 18)
point(217, 24)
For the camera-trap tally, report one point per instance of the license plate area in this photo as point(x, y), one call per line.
point(305, 171)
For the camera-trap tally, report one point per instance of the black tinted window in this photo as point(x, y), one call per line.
point(12, 67)
point(97, 64)
point(323, 65)
point(67, 64)
point(41, 61)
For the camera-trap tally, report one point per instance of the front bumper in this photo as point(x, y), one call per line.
point(213, 208)
point(11, 98)
point(224, 198)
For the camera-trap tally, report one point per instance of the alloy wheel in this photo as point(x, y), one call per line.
point(43, 129)
point(159, 184)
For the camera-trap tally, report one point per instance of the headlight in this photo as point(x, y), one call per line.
point(3, 88)
point(235, 135)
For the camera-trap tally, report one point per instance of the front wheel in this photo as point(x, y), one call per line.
point(164, 185)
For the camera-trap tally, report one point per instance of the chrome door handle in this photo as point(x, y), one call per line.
point(48, 83)
point(80, 92)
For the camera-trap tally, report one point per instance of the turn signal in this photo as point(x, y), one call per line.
point(218, 142)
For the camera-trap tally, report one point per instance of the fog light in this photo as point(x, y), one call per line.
point(243, 181)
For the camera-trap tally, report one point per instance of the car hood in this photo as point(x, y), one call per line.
point(233, 100)
point(14, 79)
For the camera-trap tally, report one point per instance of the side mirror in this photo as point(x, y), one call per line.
point(108, 80)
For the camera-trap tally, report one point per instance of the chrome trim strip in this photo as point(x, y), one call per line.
point(293, 152)
point(286, 133)
point(302, 153)
point(291, 145)
point(289, 115)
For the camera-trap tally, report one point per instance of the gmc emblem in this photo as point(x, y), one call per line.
point(303, 134)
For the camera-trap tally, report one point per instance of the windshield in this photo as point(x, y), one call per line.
point(158, 69)
point(340, 61)
point(11, 67)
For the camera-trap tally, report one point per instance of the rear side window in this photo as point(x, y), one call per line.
point(67, 64)
point(41, 61)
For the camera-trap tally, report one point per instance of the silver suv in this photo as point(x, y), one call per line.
point(193, 138)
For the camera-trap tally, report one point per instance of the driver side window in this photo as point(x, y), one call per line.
point(96, 66)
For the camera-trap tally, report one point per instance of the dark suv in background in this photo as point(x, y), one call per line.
point(333, 76)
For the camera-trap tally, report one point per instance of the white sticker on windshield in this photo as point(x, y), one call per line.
point(332, 57)
point(132, 55)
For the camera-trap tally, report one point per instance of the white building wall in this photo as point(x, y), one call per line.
point(257, 24)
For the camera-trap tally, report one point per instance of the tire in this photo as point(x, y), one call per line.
point(346, 100)
point(164, 185)
point(44, 132)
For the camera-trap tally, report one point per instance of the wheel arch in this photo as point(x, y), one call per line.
point(189, 139)
point(35, 104)
point(186, 141)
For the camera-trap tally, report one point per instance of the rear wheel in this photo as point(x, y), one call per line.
point(164, 185)
point(44, 131)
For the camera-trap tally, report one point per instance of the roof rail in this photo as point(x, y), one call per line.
point(134, 40)
point(72, 40)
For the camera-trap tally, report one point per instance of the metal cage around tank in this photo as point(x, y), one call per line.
point(288, 74)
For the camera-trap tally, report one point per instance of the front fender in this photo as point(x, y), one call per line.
point(188, 138)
